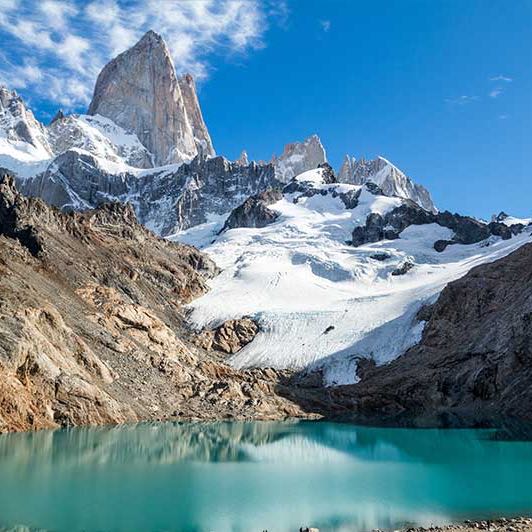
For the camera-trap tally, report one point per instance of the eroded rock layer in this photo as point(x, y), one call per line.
point(91, 324)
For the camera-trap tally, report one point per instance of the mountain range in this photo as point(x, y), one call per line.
point(300, 279)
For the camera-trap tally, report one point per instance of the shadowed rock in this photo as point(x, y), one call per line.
point(466, 230)
point(254, 212)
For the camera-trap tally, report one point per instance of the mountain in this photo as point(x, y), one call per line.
point(324, 277)
point(388, 177)
point(473, 363)
point(140, 92)
point(335, 273)
point(92, 325)
point(23, 140)
point(100, 137)
point(298, 157)
point(166, 199)
point(142, 116)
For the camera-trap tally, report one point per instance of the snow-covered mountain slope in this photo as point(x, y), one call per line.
point(24, 145)
point(510, 221)
point(319, 301)
point(99, 136)
point(298, 157)
point(390, 179)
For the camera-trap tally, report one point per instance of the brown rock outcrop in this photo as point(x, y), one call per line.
point(473, 365)
point(92, 330)
point(230, 337)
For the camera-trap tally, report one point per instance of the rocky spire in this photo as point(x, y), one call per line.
point(139, 91)
point(58, 116)
point(391, 180)
point(192, 107)
point(298, 157)
point(243, 160)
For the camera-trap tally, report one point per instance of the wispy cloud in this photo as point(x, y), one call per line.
point(325, 25)
point(57, 47)
point(495, 92)
point(461, 100)
point(500, 77)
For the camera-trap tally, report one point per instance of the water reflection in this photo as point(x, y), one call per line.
point(257, 476)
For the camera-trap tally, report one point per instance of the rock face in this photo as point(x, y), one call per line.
point(473, 365)
point(243, 160)
point(388, 177)
point(467, 230)
point(165, 200)
point(254, 212)
point(92, 326)
point(140, 92)
point(230, 337)
point(298, 157)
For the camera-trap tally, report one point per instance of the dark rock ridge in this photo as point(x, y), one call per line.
point(473, 365)
point(466, 230)
point(254, 212)
point(92, 326)
point(166, 200)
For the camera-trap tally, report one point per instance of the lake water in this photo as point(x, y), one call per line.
point(258, 476)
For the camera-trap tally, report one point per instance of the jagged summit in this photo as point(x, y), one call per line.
point(299, 157)
point(387, 176)
point(140, 91)
point(151, 36)
point(60, 115)
point(22, 137)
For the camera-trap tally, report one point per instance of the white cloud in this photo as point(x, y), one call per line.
point(500, 77)
point(495, 92)
point(325, 25)
point(57, 12)
point(69, 41)
point(461, 100)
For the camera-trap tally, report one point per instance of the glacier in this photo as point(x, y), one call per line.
point(321, 304)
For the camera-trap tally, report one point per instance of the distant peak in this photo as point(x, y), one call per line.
point(60, 115)
point(151, 36)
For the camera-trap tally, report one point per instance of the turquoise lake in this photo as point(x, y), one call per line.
point(258, 476)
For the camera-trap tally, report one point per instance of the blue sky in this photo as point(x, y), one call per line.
point(443, 88)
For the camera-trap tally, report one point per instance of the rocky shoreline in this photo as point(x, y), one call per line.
point(518, 524)
point(515, 524)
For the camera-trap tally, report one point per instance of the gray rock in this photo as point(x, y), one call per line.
point(388, 177)
point(140, 92)
point(298, 157)
point(381, 256)
point(350, 199)
point(165, 201)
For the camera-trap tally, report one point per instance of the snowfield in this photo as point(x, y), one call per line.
point(320, 302)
